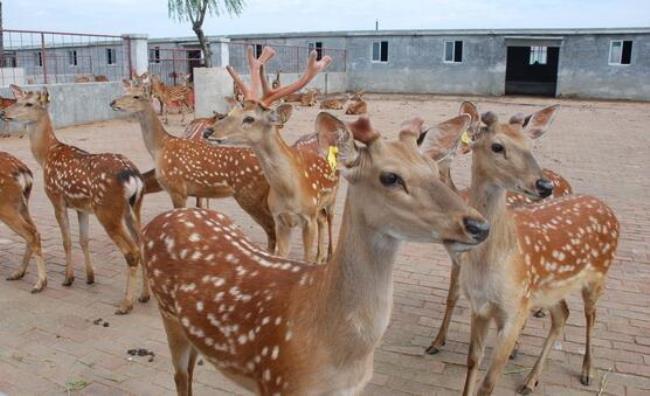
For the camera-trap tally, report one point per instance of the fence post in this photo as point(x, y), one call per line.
point(137, 59)
point(43, 58)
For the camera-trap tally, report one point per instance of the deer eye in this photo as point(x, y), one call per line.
point(497, 148)
point(248, 120)
point(28, 105)
point(136, 97)
point(390, 179)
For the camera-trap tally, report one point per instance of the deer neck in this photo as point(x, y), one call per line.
point(278, 163)
point(153, 132)
point(41, 137)
point(359, 296)
point(489, 199)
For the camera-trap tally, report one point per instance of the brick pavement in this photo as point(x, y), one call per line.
point(49, 343)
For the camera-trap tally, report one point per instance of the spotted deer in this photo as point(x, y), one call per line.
point(356, 104)
point(535, 254)
point(169, 95)
point(333, 103)
point(15, 188)
point(561, 187)
point(106, 185)
point(279, 326)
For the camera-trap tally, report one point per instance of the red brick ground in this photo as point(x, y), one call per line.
point(48, 342)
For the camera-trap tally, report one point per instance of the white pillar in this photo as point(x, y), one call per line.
point(136, 53)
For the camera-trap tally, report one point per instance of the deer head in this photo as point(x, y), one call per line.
point(404, 174)
point(30, 106)
point(136, 98)
point(248, 125)
point(502, 151)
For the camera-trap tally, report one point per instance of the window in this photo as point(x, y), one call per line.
point(453, 51)
point(537, 56)
point(380, 51)
point(318, 46)
point(620, 52)
point(258, 50)
point(38, 58)
point(72, 58)
point(110, 56)
point(154, 55)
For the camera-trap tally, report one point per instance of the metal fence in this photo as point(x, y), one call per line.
point(174, 65)
point(288, 59)
point(35, 57)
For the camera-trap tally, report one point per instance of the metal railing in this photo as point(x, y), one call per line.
point(174, 65)
point(41, 57)
point(288, 59)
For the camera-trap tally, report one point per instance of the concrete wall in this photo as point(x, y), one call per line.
point(74, 104)
point(584, 69)
point(12, 75)
point(211, 85)
point(415, 65)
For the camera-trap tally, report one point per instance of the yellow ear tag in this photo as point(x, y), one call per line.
point(332, 154)
point(465, 138)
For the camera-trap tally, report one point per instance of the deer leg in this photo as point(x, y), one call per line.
point(590, 295)
point(178, 200)
point(119, 234)
point(183, 355)
point(61, 214)
point(559, 314)
point(22, 225)
point(283, 235)
point(452, 299)
point(133, 220)
point(509, 330)
point(330, 241)
point(83, 241)
point(479, 328)
point(321, 255)
point(309, 230)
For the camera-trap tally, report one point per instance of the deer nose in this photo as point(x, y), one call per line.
point(2, 114)
point(112, 103)
point(479, 229)
point(544, 187)
point(207, 132)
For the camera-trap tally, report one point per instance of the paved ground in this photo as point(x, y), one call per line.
point(49, 343)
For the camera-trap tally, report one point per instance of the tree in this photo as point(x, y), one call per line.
point(195, 11)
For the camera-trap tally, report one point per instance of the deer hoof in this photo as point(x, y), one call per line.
point(68, 281)
point(514, 354)
point(525, 390)
point(15, 276)
point(90, 279)
point(585, 380)
point(539, 313)
point(432, 349)
point(124, 309)
point(144, 299)
point(39, 286)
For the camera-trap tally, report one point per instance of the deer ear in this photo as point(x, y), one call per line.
point(126, 84)
point(45, 96)
point(412, 130)
point(363, 131)
point(17, 91)
point(442, 143)
point(335, 140)
point(536, 124)
point(280, 115)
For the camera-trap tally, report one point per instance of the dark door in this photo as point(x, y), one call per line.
point(532, 70)
point(194, 60)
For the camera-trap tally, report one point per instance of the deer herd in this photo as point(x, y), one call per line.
point(518, 238)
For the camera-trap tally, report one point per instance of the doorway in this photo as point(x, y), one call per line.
point(532, 70)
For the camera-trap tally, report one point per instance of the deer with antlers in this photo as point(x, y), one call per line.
point(15, 188)
point(170, 95)
point(280, 326)
point(302, 183)
point(107, 185)
point(561, 187)
point(535, 254)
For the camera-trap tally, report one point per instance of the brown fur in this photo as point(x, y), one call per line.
point(168, 95)
point(357, 105)
point(107, 185)
point(535, 255)
point(15, 189)
point(275, 325)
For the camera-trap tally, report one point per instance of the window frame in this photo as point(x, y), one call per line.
point(462, 51)
point(155, 55)
point(542, 50)
point(372, 52)
point(620, 60)
point(73, 60)
point(318, 46)
point(38, 58)
point(257, 50)
point(111, 56)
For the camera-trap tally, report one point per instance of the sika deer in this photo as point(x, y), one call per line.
point(15, 189)
point(279, 326)
point(168, 95)
point(561, 187)
point(303, 184)
point(357, 105)
point(107, 185)
point(333, 103)
point(535, 254)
